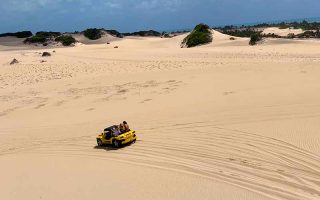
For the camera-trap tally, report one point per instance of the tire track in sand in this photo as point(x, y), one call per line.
point(264, 165)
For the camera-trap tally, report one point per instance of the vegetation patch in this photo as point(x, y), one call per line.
point(14, 61)
point(93, 33)
point(46, 54)
point(304, 25)
point(42, 37)
point(114, 33)
point(22, 34)
point(48, 34)
point(199, 36)
point(311, 30)
point(255, 38)
point(167, 35)
point(144, 33)
point(240, 32)
point(309, 34)
point(35, 39)
point(66, 40)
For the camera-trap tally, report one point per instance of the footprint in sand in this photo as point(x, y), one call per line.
point(228, 93)
point(77, 97)
point(40, 106)
point(122, 91)
point(146, 100)
point(59, 103)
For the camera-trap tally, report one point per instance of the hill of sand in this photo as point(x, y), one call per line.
point(223, 40)
point(11, 41)
point(282, 32)
point(106, 38)
point(223, 121)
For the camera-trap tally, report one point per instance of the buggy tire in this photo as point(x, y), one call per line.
point(116, 143)
point(99, 142)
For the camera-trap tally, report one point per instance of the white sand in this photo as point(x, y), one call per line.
point(282, 32)
point(223, 121)
point(106, 38)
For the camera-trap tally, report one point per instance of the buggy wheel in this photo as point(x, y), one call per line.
point(116, 143)
point(99, 142)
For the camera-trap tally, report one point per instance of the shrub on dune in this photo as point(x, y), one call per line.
point(114, 33)
point(42, 37)
point(150, 33)
point(240, 32)
point(309, 34)
point(166, 35)
point(66, 40)
point(199, 36)
point(93, 33)
point(21, 34)
point(46, 54)
point(36, 39)
point(48, 34)
point(255, 38)
point(14, 61)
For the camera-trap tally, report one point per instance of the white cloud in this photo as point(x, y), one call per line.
point(146, 4)
point(111, 4)
point(31, 5)
point(20, 5)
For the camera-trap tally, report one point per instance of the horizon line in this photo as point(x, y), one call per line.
point(308, 19)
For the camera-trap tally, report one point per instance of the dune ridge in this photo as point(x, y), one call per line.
point(220, 121)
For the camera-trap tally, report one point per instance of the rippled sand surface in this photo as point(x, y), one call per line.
point(222, 121)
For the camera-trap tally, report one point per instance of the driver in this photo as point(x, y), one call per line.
point(115, 131)
point(126, 126)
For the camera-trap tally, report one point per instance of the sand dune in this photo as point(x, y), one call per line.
point(103, 40)
point(222, 121)
point(282, 32)
point(11, 41)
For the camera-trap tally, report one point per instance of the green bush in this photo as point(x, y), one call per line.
point(66, 40)
point(309, 34)
point(166, 35)
point(201, 34)
point(270, 35)
point(284, 25)
point(48, 34)
point(144, 33)
point(93, 33)
point(291, 36)
point(114, 33)
point(36, 39)
point(22, 34)
point(240, 32)
point(42, 37)
point(46, 54)
point(255, 38)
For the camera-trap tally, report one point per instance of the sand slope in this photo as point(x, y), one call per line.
point(106, 38)
point(282, 32)
point(215, 122)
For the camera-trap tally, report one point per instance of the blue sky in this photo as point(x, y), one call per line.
point(133, 15)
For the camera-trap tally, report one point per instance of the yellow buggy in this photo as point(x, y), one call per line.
point(108, 137)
